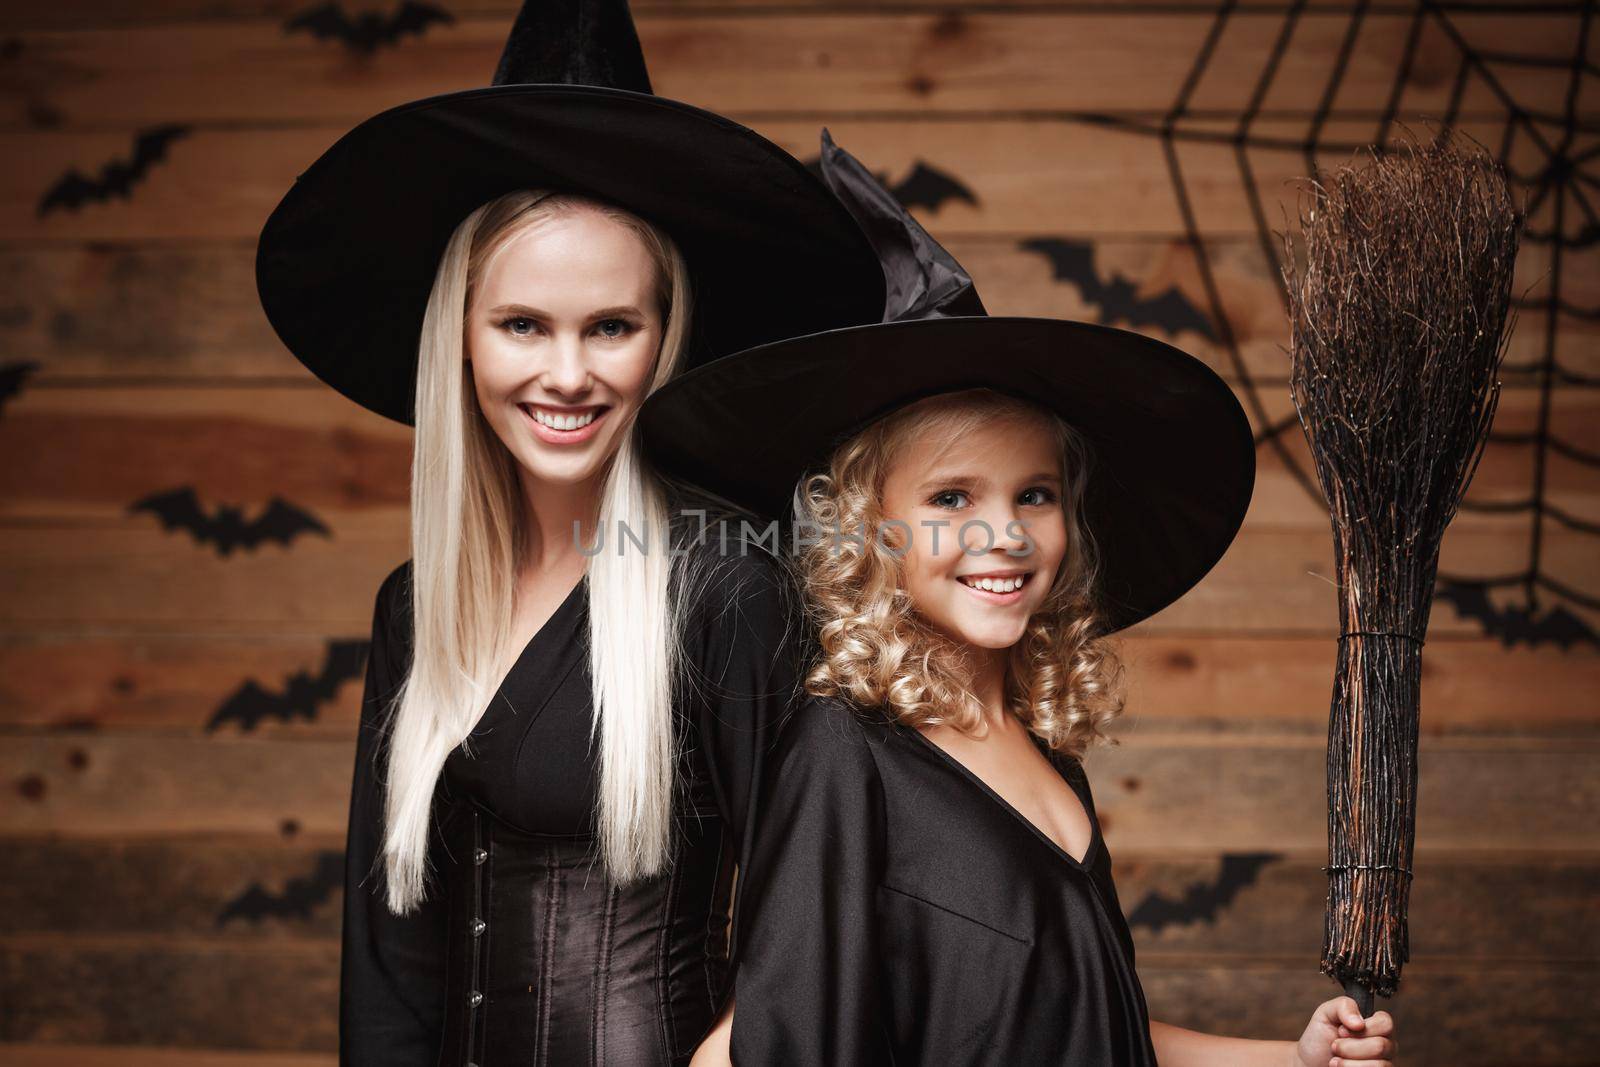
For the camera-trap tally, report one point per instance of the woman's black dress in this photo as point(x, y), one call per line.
point(523, 953)
point(899, 911)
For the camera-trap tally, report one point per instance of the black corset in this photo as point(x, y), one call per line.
point(548, 963)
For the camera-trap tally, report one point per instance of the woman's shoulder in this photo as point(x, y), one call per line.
point(735, 581)
point(392, 606)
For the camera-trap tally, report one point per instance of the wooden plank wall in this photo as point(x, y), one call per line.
point(178, 721)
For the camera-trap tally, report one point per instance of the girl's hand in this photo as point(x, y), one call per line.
point(1337, 1036)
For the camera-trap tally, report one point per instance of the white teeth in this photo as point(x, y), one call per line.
point(997, 585)
point(563, 422)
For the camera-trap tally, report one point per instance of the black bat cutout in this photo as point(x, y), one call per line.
point(925, 187)
point(1203, 901)
point(12, 375)
point(116, 178)
point(180, 508)
point(930, 187)
point(1118, 299)
point(300, 896)
point(302, 696)
point(1512, 624)
point(365, 32)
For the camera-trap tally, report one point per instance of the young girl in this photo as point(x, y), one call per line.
point(563, 725)
point(990, 499)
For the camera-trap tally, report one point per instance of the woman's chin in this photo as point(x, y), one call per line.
point(566, 468)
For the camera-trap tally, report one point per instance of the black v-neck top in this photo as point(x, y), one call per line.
point(522, 952)
point(897, 910)
point(506, 764)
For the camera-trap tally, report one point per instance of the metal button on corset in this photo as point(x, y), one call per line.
point(548, 963)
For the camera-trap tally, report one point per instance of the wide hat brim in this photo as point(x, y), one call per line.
point(346, 261)
point(1174, 463)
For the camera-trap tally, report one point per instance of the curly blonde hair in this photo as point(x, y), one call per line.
point(1064, 680)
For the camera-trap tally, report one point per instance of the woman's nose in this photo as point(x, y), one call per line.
point(567, 372)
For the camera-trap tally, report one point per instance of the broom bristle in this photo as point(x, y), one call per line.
point(1398, 312)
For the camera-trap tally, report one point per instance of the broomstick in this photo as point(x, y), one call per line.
point(1398, 315)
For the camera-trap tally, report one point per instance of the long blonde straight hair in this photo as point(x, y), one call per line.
point(467, 537)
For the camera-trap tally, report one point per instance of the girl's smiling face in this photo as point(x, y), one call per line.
point(1002, 482)
point(562, 335)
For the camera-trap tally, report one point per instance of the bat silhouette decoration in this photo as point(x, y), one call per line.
point(300, 896)
point(116, 178)
point(1118, 300)
point(302, 695)
point(366, 32)
point(1203, 901)
point(12, 375)
point(925, 187)
point(1512, 624)
point(227, 529)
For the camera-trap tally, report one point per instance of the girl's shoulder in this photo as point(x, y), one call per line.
point(836, 731)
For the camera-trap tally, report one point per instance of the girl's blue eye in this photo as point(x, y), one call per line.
point(944, 499)
point(1041, 495)
point(622, 328)
point(514, 322)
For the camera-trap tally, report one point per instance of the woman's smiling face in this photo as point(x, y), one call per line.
point(1003, 483)
point(562, 336)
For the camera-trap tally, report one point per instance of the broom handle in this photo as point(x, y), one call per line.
point(1361, 995)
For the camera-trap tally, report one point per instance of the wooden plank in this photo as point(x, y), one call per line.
point(1209, 682)
point(1540, 1015)
point(41, 1055)
point(150, 581)
point(1027, 175)
point(228, 888)
point(1157, 790)
point(242, 444)
point(277, 996)
point(1263, 904)
point(110, 785)
point(265, 686)
point(134, 578)
point(314, 448)
point(137, 580)
point(79, 14)
point(1507, 908)
point(256, 72)
point(1224, 793)
point(164, 312)
point(226, 685)
point(141, 312)
point(160, 994)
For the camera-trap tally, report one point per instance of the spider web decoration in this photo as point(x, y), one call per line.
point(1558, 190)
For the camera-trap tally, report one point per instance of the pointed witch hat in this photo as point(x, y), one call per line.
point(1174, 457)
point(346, 261)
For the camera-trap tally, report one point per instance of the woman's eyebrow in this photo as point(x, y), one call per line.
point(618, 311)
point(519, 309)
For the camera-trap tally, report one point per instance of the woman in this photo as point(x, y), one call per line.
point(563, 724)
point(990, 499)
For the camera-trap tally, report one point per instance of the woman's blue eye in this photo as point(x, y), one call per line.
point(944, 499)
point(622, 328)
point(513, 323)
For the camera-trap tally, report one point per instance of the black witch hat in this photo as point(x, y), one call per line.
point(1174, 463)
point(346, 261)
